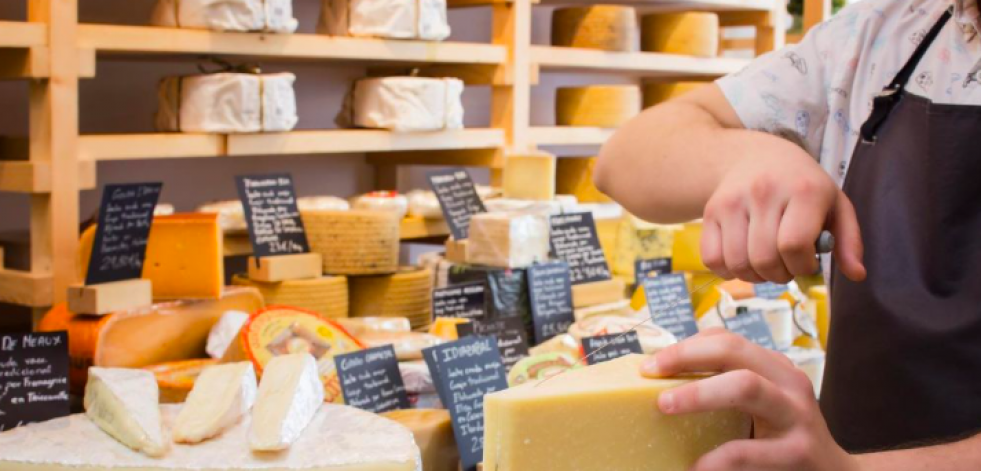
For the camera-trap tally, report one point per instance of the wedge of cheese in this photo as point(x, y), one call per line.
point(222, 395)
point(289, 396)
point(124, 403)
point(507, 240)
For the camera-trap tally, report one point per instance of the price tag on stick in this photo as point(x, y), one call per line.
point(458, 198)
point(550, 287)
point(752, 325)
point(125, 218)
point(33, 378)
point(670, 304)
point(574, 239)
point(272, 216)
point(602, 348)
point(644, 267)
point(370, 379)
point(465, 300)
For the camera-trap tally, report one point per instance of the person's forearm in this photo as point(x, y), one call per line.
point(964, 455)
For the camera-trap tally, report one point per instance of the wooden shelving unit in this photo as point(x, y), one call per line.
point(646, 64)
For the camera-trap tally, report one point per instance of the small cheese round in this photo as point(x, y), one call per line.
point(687, 33)
point(606, 27)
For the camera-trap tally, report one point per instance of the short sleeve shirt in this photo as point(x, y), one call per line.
point(823, 87)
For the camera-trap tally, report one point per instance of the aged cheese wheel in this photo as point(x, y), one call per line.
point(407, 293)
point(659, 92)
point(354, 242)
point(605, 106)
point(606, 27)
point(687, 33)
point(574, 176)
point(176, 379)
point(326, 295)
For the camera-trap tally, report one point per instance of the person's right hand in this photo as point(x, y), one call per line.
point(766, 213)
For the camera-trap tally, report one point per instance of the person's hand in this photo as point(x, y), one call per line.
point(768, 210)
point(789, 432)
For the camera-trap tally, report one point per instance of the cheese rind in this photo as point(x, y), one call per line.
point(604, 106)
point(574, 176)
point(124, 404)
point(275, 16)
point(433, 432)
point(407, 104)
point(507, 240)
point(325, 295)
point(227, 103)
point(605, 27)
point(104, 298)
point(222, 395)
point(354, 242)
point(407, 293)
point(289, 396)
point(530, 177)
point(399, 19)
point(688, 33)
point(275, 268)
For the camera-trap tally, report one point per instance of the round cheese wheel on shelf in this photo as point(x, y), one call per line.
point(574, 176)
point(176, 379)
point(606, 27)
point(407, 293)
point(354, 242)
point(659, 92)
point(390, 201)
point(326, 295)
point(605, 106)
point(686, 33)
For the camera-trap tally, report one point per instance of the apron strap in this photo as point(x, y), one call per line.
point(892, 94)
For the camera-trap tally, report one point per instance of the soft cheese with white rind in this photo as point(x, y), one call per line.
point(125, 404)
point(289, 395)
point(339, 438)
point(222, 395)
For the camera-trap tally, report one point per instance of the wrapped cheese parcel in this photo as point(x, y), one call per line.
point(227, 103)
point(405, 104)
point(616, 423)
point(273, 16)
point(396, 19)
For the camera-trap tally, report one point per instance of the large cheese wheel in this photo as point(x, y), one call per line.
point(326, 295)
point(606, 27)
point(659, 92)
point(688, 33)
point(354, 242)
point(407, 293)
point(574, 176)
point(605, 106)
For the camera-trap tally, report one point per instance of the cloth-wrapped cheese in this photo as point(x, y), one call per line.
point(404, 104)
point(397, 19)
point(273, 16)
point(227, 103)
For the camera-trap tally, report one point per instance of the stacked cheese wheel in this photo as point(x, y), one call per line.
point(354, 242)
point(574, 176)
point(407, 293)
point(687, 33)
point(606, 27)
point(659, 92)
point(605, 106)
point(326, 295)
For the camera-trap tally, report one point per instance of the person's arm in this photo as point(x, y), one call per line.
point(958, 456)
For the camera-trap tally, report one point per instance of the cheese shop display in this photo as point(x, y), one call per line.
point(639, 239)
point(288, 397)
point(404, 104)
point(368, 325)
point(326, 295)
point(222, 395)
point(507, 240)
point(616, 308)
point(231, 215)
point(407, 345)
point(419, 385)
point(433, 432)
point(224, 332)
point(658, 92)
point(602, 417)
point(604, 106)
point(574, 176)
point(407, 293)
point(687, 33)
point(124, 403)
point(605, 27)
point(383, 201)
point(530, 177)
point(652, 338)
point(227, 102)
point(424, 204)
point(539, 367)
point(271, 16)
point(176, 379)
point(396, 19)
point(354, 242)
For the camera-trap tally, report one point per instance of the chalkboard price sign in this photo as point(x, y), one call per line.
point(370, 379)
point(272, 216)
point(670, 304)
point(125, 217)
point(601, 348)
point(458, 198)
point(33, 378)
point(574, 239)
point(464, 372)
point(752, 325)
point(510, 333)
point(465, 300)
point(550, 286)
point(644, 267)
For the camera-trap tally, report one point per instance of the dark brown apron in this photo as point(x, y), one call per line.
point(904, 353)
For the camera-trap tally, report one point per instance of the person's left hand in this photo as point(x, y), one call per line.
point(790, 433)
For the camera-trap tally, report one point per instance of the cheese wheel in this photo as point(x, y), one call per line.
point(326, 295)
point(687, 33)
point(604, 106)
point(659, 92)
point(407, 293)
point(176, 379)
point(574, 176)
point(606, 27)
point(354, 242)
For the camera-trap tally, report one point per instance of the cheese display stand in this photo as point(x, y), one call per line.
point(305, 333)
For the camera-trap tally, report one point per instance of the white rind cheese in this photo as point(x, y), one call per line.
point(396, 19)
point(289, 395)
point(227, 103)
point(125, 404)
point(507, 240)
point(274, 16)
point(407, 104)
point(339, 438)
point(222, 395)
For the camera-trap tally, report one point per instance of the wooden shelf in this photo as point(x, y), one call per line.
point(569, 135)
point(645, 63)
point(682, 5)
point(20, 34)
point(143, 40)
point(150, 146)
point(419, 228)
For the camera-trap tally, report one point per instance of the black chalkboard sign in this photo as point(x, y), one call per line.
point(125, 217)
point(370, 379)
point(512, 338)
point(465, 300)
point(670, 304)
point(271, 213)
point(464, 372)
point(458, 198)
point(643, 267)
point(769, 290)
point(573, 238)
point(550, 286)
point(33, 378)
point(752, 325)
point(602, 348)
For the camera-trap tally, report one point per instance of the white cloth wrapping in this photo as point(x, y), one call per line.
point(278, 102)
point(406, 104)
point(397, 19)
point(227, 103)
point(274, 16)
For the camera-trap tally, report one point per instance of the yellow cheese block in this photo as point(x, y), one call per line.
point(184, 256)
point(604, 106)
point(530, 177)
point(574, 176)
point(407, 293)
point(686, 251)
point(606, 27)
point(445, 327)
point(607, 231)
point(658, 92)
point(598, 292)
point(354, 242)
point(638, 239)
point(326, 295)
point(433, 431)
point(599, 418)
point(819, 297)
point(687, 33)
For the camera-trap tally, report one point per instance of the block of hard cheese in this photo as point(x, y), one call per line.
point(574, 176)
point(604, 106)
point(507, 240)
point(530, 177)
point(605, 27)
point(693, 33)
point(598, 292)
point(354, 242)
point(297, 266)
point(433, 431)
point(103, 298)
point(599, 418)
